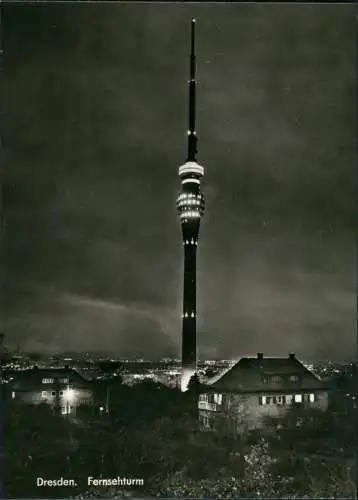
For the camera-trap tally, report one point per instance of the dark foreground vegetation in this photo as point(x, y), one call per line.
point(152, 433)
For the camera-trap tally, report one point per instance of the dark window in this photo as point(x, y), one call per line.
point(206, 421)
point(53, 393)
point(204, 398)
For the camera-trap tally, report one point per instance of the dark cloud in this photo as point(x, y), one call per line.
point(95, 115)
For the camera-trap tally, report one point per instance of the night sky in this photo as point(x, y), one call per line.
point(95, 126)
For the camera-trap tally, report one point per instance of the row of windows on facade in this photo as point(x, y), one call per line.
point(52, 380)
point(80, 402)
point(190, 202)
point(190, 214)
point(46, 394)
point(218, 398)
point(190, 242)
point(191, 168)
point(277, 379)
point(287, 398)
point(187, 196)
point(266, 400)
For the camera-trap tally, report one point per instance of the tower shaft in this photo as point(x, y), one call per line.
point(189, 311)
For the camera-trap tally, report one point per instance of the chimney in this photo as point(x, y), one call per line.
point(292, 355)
point(260, 355)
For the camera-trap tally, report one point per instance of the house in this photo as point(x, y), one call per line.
point(253, 389)
point(62, 388)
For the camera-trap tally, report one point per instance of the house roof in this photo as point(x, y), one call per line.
point(32, 379)
point(256, 375)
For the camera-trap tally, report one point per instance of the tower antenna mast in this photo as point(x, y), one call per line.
point(192, 139)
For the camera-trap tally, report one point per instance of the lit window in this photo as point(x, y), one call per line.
point(204, 398)
point(312, 398)
point(276, 379)
point(47, 380)
point(44, 394)
point(218, 398)
point(294, 378)
point(262, 400)
point(64, 380)
point(298, 398)
point(13, 394)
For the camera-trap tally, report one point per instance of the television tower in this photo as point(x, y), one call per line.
point(190, 206)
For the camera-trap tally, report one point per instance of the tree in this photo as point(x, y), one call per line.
point(195, 384)
point(109, 367)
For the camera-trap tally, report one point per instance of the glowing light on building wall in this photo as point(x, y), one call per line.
point(69, 395)
point(185, 181)
point(191, 167)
